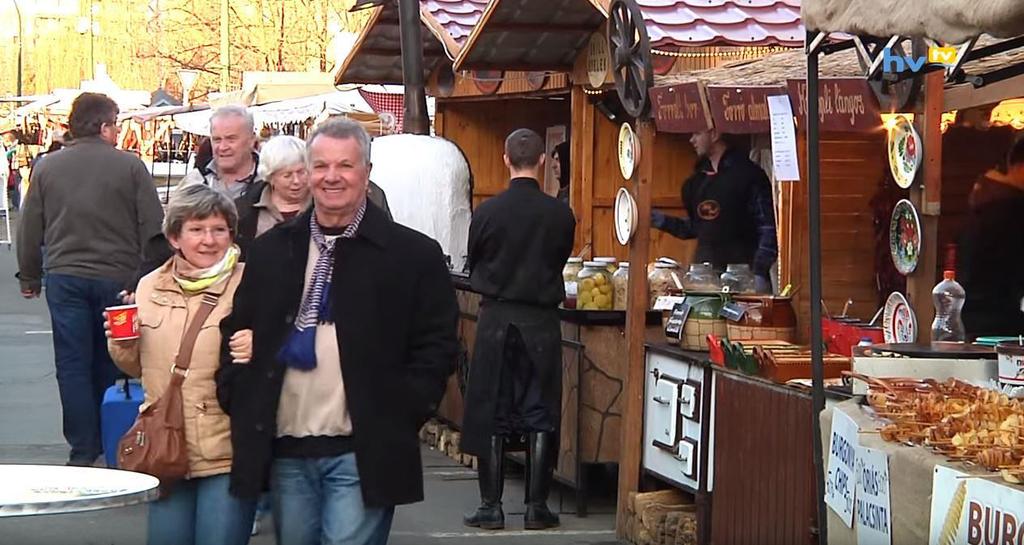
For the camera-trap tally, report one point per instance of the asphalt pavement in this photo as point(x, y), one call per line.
point(30, 432)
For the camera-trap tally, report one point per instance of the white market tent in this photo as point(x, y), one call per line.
point(291, 110)
point(277, 98)
point(59, 101)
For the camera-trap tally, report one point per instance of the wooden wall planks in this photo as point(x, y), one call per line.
point(673, 163)
point(480, 129)
point(852, 167)
point(764, 476)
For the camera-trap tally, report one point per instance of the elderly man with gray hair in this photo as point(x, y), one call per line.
point(233, 168)
point(281, 191)
point(352, 320)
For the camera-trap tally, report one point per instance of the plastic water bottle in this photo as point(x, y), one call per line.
point(948, 297)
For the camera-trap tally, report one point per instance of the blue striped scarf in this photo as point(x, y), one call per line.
point(299, 350)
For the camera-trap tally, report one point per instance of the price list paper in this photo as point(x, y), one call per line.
point(785, 164)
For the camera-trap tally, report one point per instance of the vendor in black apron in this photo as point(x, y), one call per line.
point(731, 214)
point(519, 241)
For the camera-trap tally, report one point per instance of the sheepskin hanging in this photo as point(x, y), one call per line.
point(426, 180)
point(948, 21)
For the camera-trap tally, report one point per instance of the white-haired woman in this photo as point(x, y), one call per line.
point(200, 225)
point(283, 193)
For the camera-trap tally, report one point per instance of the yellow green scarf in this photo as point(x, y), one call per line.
point(195, 281)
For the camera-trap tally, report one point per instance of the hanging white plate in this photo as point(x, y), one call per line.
point(629, 151)
point(899, 323)
point(625, 216)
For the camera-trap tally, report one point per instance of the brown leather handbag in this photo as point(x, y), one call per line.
point(155, 444)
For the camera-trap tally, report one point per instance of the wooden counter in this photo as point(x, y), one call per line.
point(758, 461)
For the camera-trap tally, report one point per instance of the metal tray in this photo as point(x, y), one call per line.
point(936, 350)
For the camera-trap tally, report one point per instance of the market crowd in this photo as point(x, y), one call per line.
point(263, 299)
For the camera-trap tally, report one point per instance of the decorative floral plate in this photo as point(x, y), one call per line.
point(899, 323)
point(905, 237)
point(905, 149)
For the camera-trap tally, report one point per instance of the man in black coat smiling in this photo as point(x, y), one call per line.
point(338, 349)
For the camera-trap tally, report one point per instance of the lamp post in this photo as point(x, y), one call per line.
point(188, 80)
point(91, 22)
point(225, 48)
point(92, 41)
point(17, 10)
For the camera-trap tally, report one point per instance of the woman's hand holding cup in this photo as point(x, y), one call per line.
point(121, 323)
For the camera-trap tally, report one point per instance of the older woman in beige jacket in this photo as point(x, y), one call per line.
point(200, 224)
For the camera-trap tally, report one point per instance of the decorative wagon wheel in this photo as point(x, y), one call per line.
point(630, 50)
point(896, 94)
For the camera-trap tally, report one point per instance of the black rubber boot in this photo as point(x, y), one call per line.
point(489, 515)
point(542, 453)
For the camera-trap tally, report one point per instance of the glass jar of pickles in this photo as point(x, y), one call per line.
point(611, 263)
point(620, 285)
point(572, 268)
point(596, 291)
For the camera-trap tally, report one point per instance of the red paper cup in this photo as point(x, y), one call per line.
point(123, 325)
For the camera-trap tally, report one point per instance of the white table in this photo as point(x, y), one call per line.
point(44, 490)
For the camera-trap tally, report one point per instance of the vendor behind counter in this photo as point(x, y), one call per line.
point(728, 200)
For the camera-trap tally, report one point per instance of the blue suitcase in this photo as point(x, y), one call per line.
point(120, 407)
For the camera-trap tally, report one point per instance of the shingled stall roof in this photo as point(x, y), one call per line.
point(550, 34)
point(685, 23)
point(532, 34)
point(772, 70)
point(377, 54)
point(949, 21)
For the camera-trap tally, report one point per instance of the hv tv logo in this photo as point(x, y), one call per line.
point(891, 62)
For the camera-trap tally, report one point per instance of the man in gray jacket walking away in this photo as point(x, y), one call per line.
point(92, 207)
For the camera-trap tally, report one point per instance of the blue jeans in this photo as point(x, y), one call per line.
point(84, 368)
point(317, 501)
point(200, 511)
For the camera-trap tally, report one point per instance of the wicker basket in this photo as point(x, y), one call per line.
point(696, 331)
point(755, 333)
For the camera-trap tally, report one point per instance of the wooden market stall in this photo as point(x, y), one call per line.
point(741, 446)
point(856, 195)
point(981, 75)
point(472, 114)
point(596, 119)
point(734, 100)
